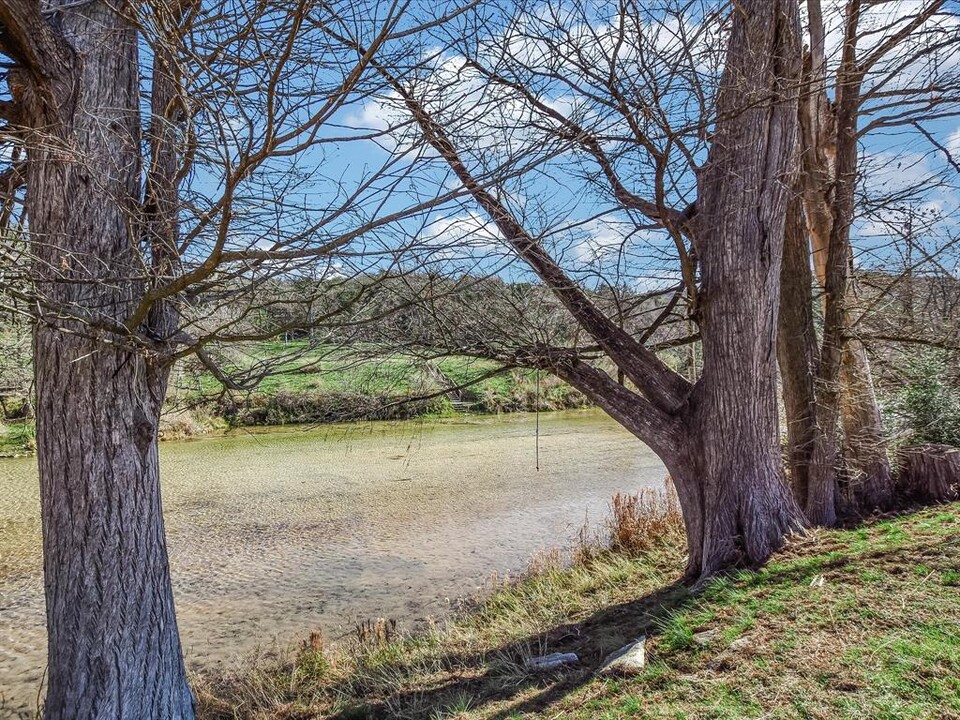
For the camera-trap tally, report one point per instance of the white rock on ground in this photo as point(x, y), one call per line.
point(552, 661)
point(627, 660)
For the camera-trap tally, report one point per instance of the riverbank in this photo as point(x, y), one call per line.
point(274, 531)
point(861, 623)
point(315, 389)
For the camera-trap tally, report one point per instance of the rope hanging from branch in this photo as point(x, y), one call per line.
point(537, 410)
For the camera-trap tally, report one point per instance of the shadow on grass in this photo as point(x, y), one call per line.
point(496, 680)
point(504, 678)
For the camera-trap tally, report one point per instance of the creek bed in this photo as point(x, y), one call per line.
point(274, 533)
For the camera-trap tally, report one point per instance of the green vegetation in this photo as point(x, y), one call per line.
point(318, 384)
point(926, 407)
point(321, 374)
point(861, 623)
point(16, 438)
point(305, 384)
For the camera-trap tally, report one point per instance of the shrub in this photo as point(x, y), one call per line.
point(926, 409)
point(646, 521)
point(283, 407)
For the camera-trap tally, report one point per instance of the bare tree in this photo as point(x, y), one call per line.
point(628, 107)
point(719, 435)
point(892, 70)
point(160, 155)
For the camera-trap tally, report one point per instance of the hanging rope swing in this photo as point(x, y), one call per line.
point(537, 410)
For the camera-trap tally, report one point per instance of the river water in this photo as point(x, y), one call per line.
point(273, 534)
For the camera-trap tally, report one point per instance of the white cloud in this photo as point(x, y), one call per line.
point(953, 145)
point(468, 229)
point(459, 242)
point(374, 115)
point(658, 281)
point(603, 239)
point(895, 170)
point(881, 21)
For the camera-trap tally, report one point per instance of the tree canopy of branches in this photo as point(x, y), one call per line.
point(181, 174)
point(624, 145)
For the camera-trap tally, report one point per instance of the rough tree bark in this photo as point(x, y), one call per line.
point(797, 349)
point(720, 437)
point(843, 381)
point(930, 473)
point(869, 476)
point(114, 649)
point(744, 193)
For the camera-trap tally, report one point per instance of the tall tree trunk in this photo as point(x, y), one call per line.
point(829, 162)
point(747, 506)
point(725, 460)
point(870, 481)
point(113, 647)
point(114, 650)
point(797, 349)
point(821, 501)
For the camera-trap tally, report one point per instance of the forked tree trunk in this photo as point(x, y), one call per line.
point(725, 459)
point(113, 649)
point(829, 163)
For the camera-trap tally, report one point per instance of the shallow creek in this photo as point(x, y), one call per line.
point(275, 533)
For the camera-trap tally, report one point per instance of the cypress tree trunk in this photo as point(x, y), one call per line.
point(829, 162)
point(746, 506)
point(870, 479)
point(114, 650)
point(797, 349)
point(113, 647)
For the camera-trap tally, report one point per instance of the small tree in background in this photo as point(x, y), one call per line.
point(927, 409)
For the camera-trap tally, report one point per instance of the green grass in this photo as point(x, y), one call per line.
point(854, 624)
point(299, 367)
point(322, 384)
point(327, 384)
point(16, 438)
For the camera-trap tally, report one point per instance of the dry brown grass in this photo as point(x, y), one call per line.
point(383, 672)
point(644, 522)
point(636, 525)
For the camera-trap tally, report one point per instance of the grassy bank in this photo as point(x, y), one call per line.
point(861, 623)
point(313, 385)
point(321, 385)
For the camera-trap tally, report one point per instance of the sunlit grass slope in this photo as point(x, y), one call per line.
point(861, 623)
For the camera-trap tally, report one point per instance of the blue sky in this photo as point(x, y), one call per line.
point(558, 195)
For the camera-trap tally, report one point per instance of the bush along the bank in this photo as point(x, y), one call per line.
point(285, 408)
point(926, 424)
point(926, 409)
